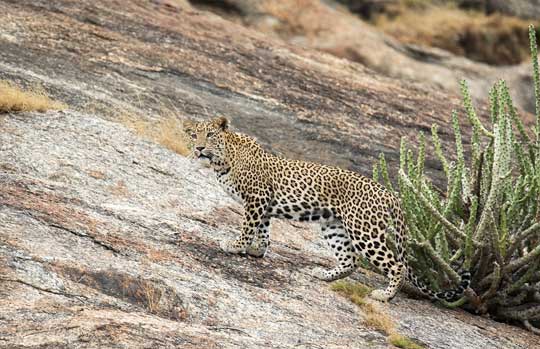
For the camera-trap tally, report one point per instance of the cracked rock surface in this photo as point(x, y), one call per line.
point(111, 241)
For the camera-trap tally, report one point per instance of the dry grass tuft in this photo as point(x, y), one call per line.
point(15, 99)
point(168, 131)
point(377, 319)
point(403, 342)
point(374, 317)
point(494, 39)
point(356, 292)
point(149, 295)
point(170, 134)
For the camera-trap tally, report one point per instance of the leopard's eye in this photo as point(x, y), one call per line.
point(210, 134)
point(194, 135)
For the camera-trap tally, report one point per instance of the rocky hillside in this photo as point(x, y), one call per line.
point(111, 241)
point(328, 27)
point(108, 240)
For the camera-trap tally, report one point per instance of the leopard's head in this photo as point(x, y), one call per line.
point(207, 138)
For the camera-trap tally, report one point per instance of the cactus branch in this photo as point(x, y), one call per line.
point(452, 228)
point(518, 263)
point(519, 237)
point(536, 78)
point(521, 312)
point(440, 262)
point(495, 282)
point(473, 118)
point(522, 280)
point(494, 188)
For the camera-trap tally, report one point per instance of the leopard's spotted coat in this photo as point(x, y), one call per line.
point(354, 212)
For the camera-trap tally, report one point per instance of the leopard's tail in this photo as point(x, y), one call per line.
point(400, 230)
point(448, 295)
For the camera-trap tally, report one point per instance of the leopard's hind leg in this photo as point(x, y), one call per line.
point(370, 240)
point(396, 273)
point(340, 243)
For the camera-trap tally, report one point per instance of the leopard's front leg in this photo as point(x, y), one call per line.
point(260, 243)
point(254, 209)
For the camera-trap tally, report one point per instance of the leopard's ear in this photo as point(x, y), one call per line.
point(221, 122)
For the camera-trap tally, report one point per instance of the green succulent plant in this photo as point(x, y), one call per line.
point(487, 220)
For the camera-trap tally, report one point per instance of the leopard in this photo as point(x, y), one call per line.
point(359, 219)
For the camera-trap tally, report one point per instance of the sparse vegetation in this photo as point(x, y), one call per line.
point(465, 28)
point(356, 292)
point(377, 319)
point(149, 295)
point(374, 317)
point(167, 131)
point(494, 39)
point(403, 342)
point(15, 99)
point(488, 218)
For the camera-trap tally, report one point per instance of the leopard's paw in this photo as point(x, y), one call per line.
point(379, 295)
point(257, 249)
point(320, 273)
point(232, 246)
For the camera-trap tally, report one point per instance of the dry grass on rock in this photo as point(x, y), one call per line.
point(15, 99)
point(374, 317)
point(494, 39)
point(168, 131)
